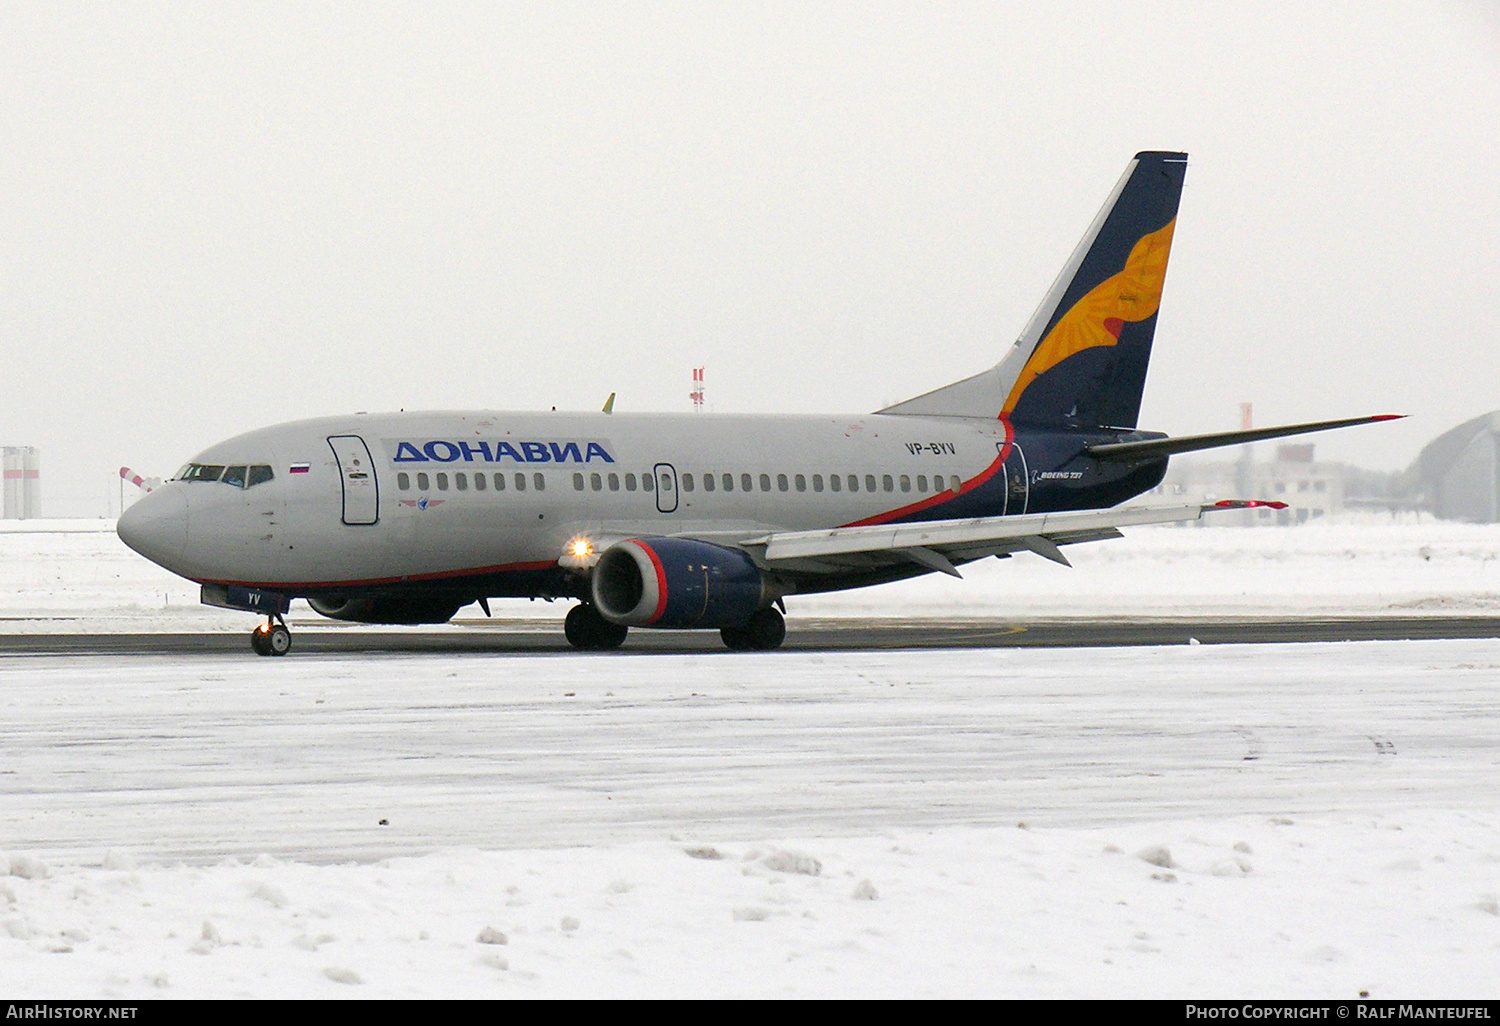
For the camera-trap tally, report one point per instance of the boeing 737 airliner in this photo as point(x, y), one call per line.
point(703, 522)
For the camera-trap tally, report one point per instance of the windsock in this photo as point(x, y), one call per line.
point(145, 484)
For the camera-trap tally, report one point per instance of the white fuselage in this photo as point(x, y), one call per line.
point(455, 494)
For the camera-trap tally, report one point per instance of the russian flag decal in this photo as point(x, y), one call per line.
point(300, 468)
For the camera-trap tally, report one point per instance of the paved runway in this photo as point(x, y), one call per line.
point(339, 756)
point(842, 635)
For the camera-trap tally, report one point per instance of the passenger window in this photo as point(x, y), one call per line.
point(614, 482)
point(801, 483)
point(956, 483)
point(442, 480)
point(423, 483)
point(235, 476)
point(729, 482)
point(539, 482)
point(921, 482)
point(887, 483)
point(747, 484)
point(870, 483)
point(461, 481)
point(403, 481)
point(905, 483)
point(648, 482)
point(630, 482)
point(596, 482)
point(577, 482)
point(499, 482)
point(833, 482)
point(854, 482)
point(666, 482)
point(708, 482)
point(765, 482)
point(259, 474)
point(479, 482)
point(520, 481)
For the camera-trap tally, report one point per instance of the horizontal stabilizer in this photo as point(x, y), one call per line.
point(1159, 448)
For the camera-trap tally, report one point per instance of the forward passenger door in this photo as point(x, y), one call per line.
point(357, 475)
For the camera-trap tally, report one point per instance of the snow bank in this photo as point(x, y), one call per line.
point(1399, 906)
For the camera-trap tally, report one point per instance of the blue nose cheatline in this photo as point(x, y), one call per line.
point(157, 526)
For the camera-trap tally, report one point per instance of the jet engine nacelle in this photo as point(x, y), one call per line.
point(676, 582)
point(394, 609)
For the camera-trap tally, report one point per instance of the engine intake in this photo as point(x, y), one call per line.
point(677, 582)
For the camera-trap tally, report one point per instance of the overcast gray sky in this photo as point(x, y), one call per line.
point(221, 216)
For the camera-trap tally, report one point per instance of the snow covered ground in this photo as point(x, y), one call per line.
point(77, 576)
point(1273, 821)
point(1397, 905)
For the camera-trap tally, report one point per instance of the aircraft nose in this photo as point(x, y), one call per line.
point(157, 526)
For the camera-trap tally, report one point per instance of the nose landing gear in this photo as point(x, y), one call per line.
point(271, 638)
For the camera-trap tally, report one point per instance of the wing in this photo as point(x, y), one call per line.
point(939, 544)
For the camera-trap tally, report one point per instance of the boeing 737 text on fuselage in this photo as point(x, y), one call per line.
point(682, 521)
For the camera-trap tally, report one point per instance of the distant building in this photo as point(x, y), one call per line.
point(23, 483)
point(1310, 489)
point(1456, 476)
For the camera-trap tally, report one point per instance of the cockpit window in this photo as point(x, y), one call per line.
point(200, 472)
point(235, 477)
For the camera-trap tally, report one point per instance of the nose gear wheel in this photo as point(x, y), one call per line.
point(271, 639)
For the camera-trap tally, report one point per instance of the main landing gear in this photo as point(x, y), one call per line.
point(587, 630)
point(765, 630)
point(271, 638)
point(590, 632)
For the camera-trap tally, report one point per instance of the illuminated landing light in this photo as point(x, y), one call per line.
point(578, 554)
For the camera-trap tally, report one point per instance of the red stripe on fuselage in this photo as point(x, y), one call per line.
point(661, 580)
point(942, 497)
point(376, 582)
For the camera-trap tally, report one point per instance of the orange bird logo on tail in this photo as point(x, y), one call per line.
point(1097, 319)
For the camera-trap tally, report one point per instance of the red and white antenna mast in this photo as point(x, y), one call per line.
point(697, 392)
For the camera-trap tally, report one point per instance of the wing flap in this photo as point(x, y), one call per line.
point(1037, 532)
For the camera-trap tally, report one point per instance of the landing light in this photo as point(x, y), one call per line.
point(578, 554)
